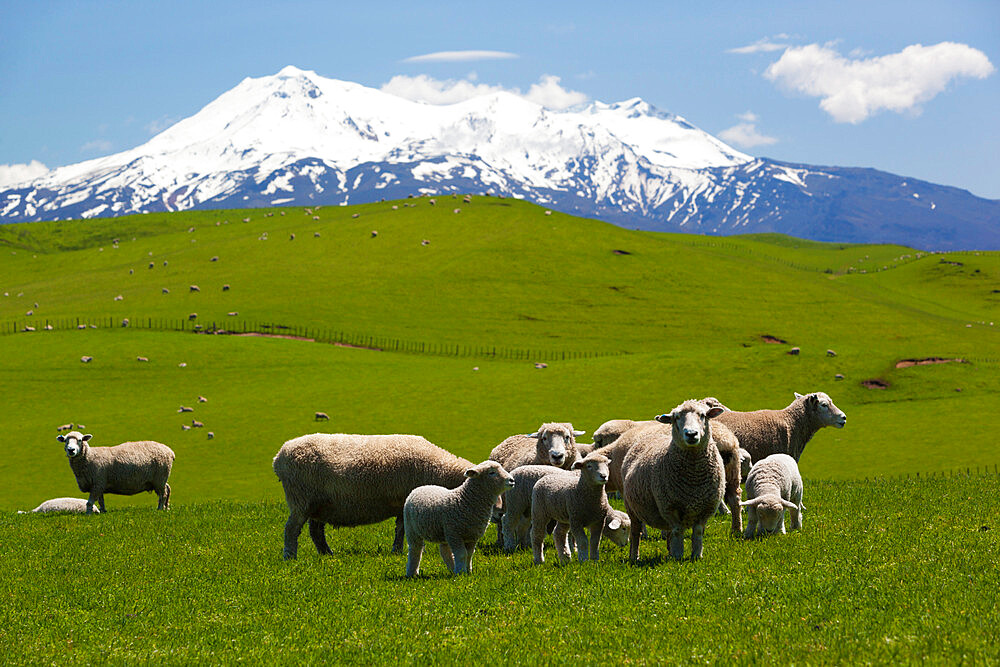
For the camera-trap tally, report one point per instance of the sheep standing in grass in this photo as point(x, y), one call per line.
point(354, 480)
point(786, 431)
point(454, 518)
point(577, 502)
point(675, 482)
point(516, 521)
point(774, 485)
point(125, 469)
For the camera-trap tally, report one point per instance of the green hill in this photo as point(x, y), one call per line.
point(630, 324)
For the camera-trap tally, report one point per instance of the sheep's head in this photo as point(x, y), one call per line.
point(594, 467)
point(690, 422)
point(74, 443)
point(492, 474)
point(746, 462)
point(610, 431)
point(770, 511)
point(821, 407)
point(556, 443)
point(616, 527)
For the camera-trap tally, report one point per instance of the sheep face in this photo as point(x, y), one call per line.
point(821, 405)
point(73, 443)
point(690, 422)
point(493, 474)
point(616, 528)
point(594, 467)
point(556, 442)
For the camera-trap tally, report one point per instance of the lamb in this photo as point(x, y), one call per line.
point(787, 431)
point(576, 502)
point(675, 482)
point(353, 480)
point(454, 518)
point(517, 504)
point(774, 485)
point(125, 469)
point(75, 505)
point(552, 444)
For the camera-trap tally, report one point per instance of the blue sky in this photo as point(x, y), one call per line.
point(907, 87)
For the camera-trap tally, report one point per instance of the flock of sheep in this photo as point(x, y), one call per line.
point(673, 473)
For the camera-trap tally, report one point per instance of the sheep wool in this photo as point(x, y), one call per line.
point(352, 480)
point(786, 431)
point(516, 521)
point(125, 469)
point(74, 505)
point(456, 519)
point(774, 485)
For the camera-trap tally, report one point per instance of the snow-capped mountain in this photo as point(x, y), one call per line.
point(299, 138)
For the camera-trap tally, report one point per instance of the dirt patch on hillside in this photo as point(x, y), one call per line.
point(906, 363)
point(875, 384)
point(774, 340)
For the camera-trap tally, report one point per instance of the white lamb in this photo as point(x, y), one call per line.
point(773, 485)
point(454, 518)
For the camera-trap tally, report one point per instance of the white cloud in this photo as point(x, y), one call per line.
point(96, 146)
point(159, 124)
point(746, 134)
point(421, 88)
point(459, 56)
point(12, 174)
point(764, 45)
point(851, 90)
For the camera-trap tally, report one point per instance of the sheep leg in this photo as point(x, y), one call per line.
point(397, 540)
point(446, 556)
point(165, 498)
point(560, 538)
point(677, 542)
point(751, 523)
point(96, 496)
point(697, 537)
point(318, 534)
point(733, 501)
point(634, 535)
point(461, 555)
point(470, 549)
point(508, 531)
point(416, 550)
point(797, 517)
point(596, 533)
point(524, 533)
point(292, 529)
point(538, 541)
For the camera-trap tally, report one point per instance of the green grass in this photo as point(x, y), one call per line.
point(882, 572)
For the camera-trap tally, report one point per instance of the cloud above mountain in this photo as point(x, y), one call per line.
point(745, 133)
point(11, 174)
point(460, 56)
point(853, 89)
point(548, 91)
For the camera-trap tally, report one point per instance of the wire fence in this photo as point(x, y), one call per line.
point(238, 327)
point(967, 471)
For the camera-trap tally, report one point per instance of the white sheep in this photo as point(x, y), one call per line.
point(454, 518)
point(75, 505)
point(786, 431)
point(352, 480)
point(125, 469)
point(676, 481)
point(774, 485)
point(577, 502)
point(516, 521)
point(554, 443)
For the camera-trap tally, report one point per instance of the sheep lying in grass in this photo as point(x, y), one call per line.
point(125, 469)
point(577, 502)
point(675, 482)
point(454, 518)
point(774, 485)
point(353, 480)
point(786, 431)
point(75, 505)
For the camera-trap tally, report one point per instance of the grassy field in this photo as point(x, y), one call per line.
point(882, 572)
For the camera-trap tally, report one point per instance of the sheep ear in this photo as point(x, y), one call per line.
point(797, 394)
point(86, 437)
point(577, 434)
point(61, 438)
point(472, 472)
point(664, 419)
point(789, 505)
point(751, 502)
point(715, 412)
point(578, 464)
point(532, 435)
point(615, 524)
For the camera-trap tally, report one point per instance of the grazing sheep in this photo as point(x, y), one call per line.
point(144, 359)
point(210, 435)
point(794, 351)
point(322, 416)
point(193, 316)
point(194, 288)
point(353, 480)
point(75, 505)
point(64, 427)
point(774, 485)
point(577, 502)
point(786, 431)
point(831, 353)
point(675, 482)
point(202, 399)
point(184, 408)
point(374, 233)
point(165, 291)
point(454, 518)
point(196, 424)
point(233, 313)
point(215, 258)
point(125, 469)
point(315, 235)
point(185, 427)
point(86, 359)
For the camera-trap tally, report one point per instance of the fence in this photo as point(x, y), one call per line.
point(234, 326)
point(968, 471)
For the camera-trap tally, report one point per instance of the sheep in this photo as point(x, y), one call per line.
point(774, 485)
point(554, 443)
point(185, 408)
point(321, 416)
point(746, 463)
point(75, 505)
point(610, 430)
point(454, 518)
point(517, 504)
point(577, 502)
point(786, 431)
point(165, 291)
point(194, 288)
point(86, 359)
point(675, 481)
point(202, 399)
point(353, 480)
point(142, 359)
point(210, 435)
point(125, 469)
point(64, 427)
point(197, 424)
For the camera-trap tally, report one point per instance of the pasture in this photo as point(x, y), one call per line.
point(629, 324)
